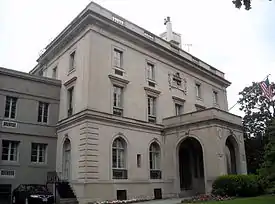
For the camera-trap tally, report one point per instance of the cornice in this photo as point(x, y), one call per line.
point(89, 17)
point(105, 117)
point(26, 76)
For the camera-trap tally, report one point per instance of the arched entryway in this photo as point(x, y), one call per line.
point(191, 166)
point(66, 160)
point(231, 155)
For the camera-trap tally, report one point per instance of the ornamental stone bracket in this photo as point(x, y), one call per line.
point(176, 81)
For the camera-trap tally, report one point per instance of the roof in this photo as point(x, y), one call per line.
point(27, 76)
point(96, 11)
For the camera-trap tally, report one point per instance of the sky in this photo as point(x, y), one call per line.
point(238, 42)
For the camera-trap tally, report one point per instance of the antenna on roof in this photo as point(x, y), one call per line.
point(188, 46)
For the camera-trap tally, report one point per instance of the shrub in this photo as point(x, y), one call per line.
point(237, 185)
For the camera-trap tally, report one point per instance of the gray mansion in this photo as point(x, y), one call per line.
point(118, 113)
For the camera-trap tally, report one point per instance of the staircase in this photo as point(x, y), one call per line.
point(64, 190)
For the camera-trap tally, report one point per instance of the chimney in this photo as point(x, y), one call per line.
point(169, 32)
point(169, 35)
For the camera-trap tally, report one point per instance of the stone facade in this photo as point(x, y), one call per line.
point(130, 93)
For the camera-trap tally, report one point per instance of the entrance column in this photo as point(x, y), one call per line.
point(214, 165)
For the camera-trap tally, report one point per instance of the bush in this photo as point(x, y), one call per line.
point(237, 185)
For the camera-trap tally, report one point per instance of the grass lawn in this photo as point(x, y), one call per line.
point(254, 200)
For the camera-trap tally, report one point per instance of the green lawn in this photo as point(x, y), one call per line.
point(255, 200)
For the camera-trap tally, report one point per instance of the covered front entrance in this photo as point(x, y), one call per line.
point(191, 166)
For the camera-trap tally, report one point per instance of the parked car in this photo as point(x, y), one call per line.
point(32, 194)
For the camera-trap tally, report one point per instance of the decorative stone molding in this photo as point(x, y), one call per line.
point(176, 81)
point(88, 150)
point(70, 81)
point(118, 81)
point(152, 92)
point(220, 155)
point(178, 100)
point(219, 131)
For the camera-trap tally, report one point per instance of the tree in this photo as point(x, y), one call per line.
point(267, 171)
point(245, 3)
point(259, 112)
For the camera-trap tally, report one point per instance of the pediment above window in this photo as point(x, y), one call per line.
point(178, 100)
point(118, 81)
point(152, 92)
point(70, 81)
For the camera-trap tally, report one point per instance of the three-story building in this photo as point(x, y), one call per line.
point(138, 115)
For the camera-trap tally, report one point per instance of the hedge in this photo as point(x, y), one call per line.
point(237, 185)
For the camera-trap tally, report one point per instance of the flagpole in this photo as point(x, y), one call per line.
point(249, 92)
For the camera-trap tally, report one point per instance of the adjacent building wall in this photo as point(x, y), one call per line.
point(29, 90)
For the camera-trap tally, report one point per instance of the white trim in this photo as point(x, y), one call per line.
point(39, 147)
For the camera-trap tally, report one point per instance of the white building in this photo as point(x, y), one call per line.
point(138, 115)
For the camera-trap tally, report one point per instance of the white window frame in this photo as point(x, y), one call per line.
point(151, 105)
point(16, 154)
point(155, 155)
point(180, 111)
point(42, 147)
point(118, 97)
point(44, 106)
point(119, 151)
point(12, 100)
point(151, 71)
point(117, 59)
point(72, 65)
point(198, 90)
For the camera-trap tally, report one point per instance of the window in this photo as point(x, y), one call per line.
point(138, 160)
point(43, 109)
point(10, 108)
point(178, 109)
point(54, 72)
point(150, 71)
point(117, 101)
point(215, 95)
point(151, 109)
point(154, 159)
point(118, 58)
point(198, 90)
point(119, 159)
point(10, 150)
point(38, 153)
point(70, 101)
point(72, 61)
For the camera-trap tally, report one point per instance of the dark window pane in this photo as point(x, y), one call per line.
point(40, 112)
point(7, 107)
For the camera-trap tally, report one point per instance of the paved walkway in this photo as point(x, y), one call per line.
point(164, 201)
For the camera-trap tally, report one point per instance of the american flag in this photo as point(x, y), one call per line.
point(267, 89)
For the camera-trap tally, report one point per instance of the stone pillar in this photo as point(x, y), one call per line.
point(88, 153)
point(213, 156)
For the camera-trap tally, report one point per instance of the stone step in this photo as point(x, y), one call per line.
point(68, 201)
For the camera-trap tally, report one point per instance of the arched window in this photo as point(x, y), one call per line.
point(66, 159)
point(119, 159)
point(154, 159)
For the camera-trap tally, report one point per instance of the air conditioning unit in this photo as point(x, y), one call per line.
point(9, 124)
point(7, 173)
